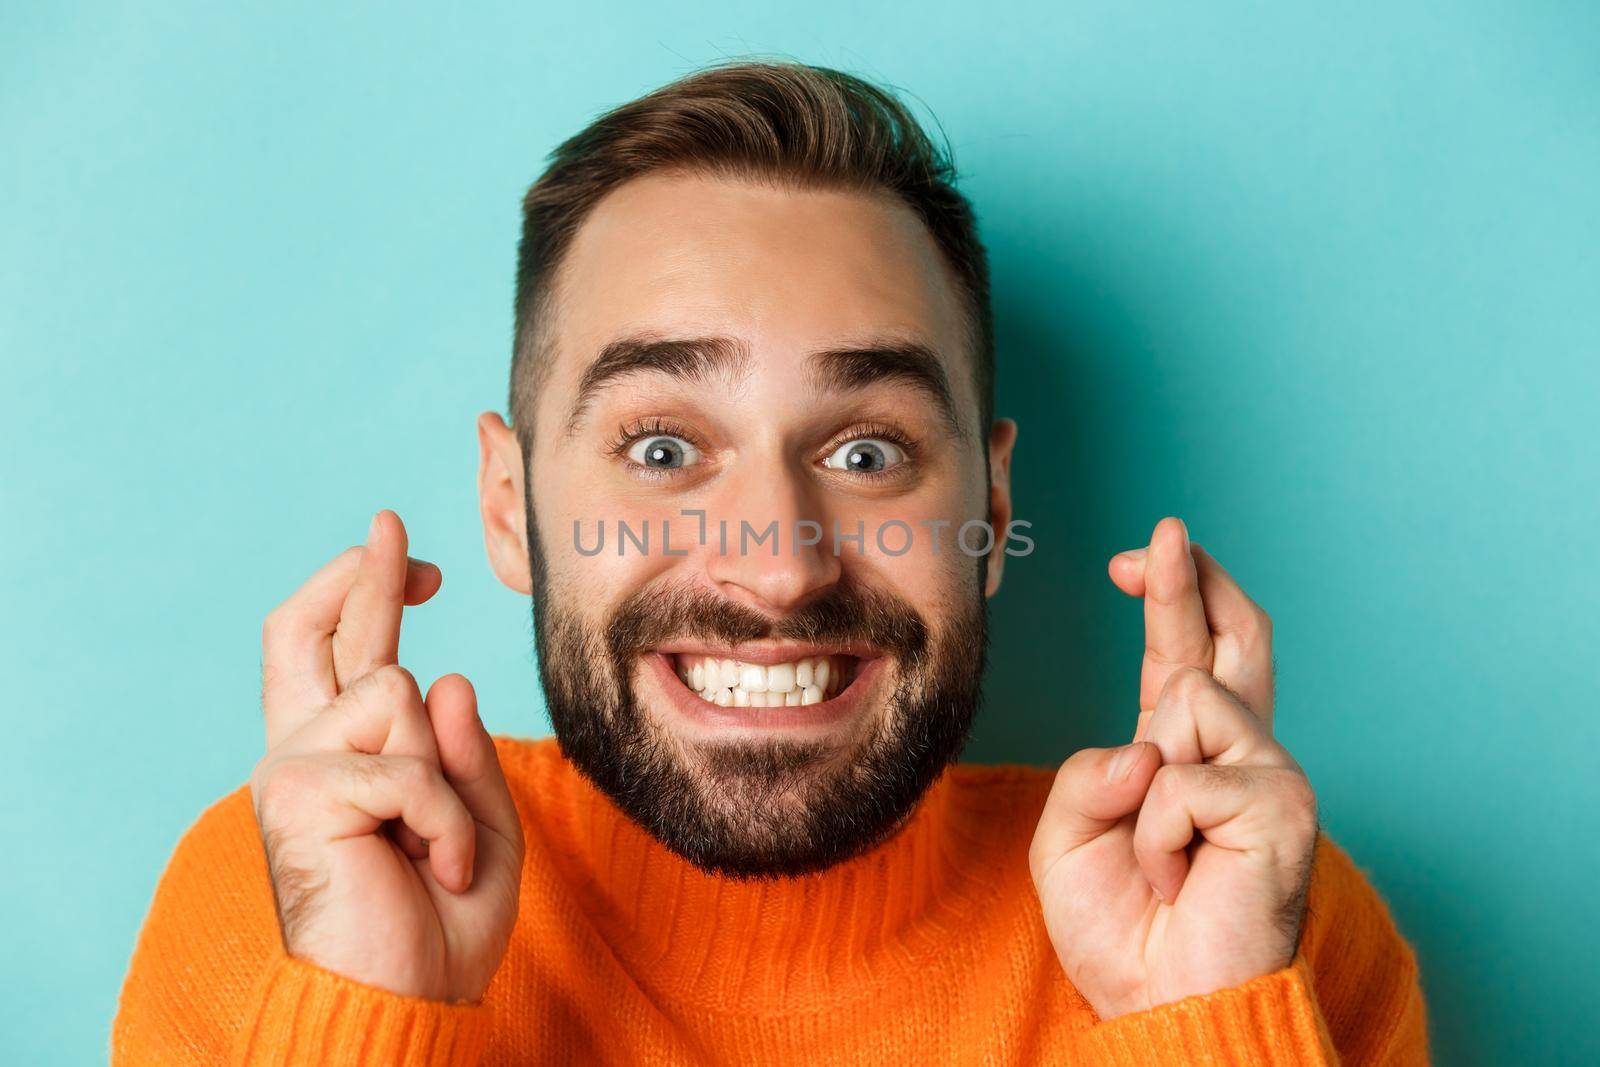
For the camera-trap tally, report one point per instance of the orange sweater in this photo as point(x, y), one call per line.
point(928, 949)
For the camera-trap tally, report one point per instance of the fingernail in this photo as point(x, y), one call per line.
point(1122, 765)
point(372, 530)
point(1185, 528)
point(1136, 553)
point(415, 562)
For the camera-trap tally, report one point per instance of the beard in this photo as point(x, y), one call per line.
point(759, 808)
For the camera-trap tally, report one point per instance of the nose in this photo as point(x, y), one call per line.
point(767, 564)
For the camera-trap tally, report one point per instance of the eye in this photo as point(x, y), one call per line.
point(662, 452)
point(865, 455)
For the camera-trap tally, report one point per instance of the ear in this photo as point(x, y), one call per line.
point(1002, 438)
point(500, 502)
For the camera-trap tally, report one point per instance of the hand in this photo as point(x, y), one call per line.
point(1178, 865)
point(393, 843)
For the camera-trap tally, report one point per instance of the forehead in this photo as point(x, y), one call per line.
point(787, 271)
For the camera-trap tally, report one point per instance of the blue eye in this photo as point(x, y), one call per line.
point(866, 455)
point(663, 453)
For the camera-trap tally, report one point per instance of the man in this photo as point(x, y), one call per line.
point(753, 334)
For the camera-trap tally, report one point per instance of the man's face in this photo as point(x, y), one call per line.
point(728, 356)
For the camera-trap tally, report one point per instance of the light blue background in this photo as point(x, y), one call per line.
point(1324, 282)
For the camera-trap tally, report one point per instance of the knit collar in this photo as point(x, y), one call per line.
point(784, 945)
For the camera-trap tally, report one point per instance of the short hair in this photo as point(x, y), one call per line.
point(782, 121)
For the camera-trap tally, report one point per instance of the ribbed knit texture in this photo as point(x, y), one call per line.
point(928, 949)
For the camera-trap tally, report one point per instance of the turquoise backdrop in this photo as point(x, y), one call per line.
point(1322, 279)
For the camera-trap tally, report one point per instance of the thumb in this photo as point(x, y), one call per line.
point(1093, 791)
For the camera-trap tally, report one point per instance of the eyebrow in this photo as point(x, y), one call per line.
point(844, 368)
point(911, 362)
point(695, 358)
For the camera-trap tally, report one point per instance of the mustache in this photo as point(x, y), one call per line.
point(847, 612)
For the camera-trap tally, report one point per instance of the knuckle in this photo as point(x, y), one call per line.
point(279, 788)
point(1168, 784)
point(1146, 842)
point(1299, 800)
point(1074, 767)
point(1305, 799)
point(414, 772)
point(1189, 681)
point(275, 623)
point(1264, 622)
point(1063, 774)
point(258, 780)
point(1037, 859)
point(1257, 633)
point(393, 682)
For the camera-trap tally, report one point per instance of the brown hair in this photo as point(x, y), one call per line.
point(784, 121)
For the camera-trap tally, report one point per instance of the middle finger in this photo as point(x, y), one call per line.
point(1176, 632)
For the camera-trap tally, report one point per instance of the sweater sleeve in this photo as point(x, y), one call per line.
point(303, 1014)
point(210, 982)
point(1350, 996)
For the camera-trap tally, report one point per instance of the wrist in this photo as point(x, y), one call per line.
point(1221, 970)
point(1272, 1018)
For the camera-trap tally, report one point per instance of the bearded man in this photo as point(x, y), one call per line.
point(754, 486)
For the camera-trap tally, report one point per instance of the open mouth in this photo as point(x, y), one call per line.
point(789, 686)
point(799, 682)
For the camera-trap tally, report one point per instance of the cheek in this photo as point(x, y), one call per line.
point(913, 549)
point(920, 527)
point(593, 546)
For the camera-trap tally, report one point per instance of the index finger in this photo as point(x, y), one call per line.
point(367, 635)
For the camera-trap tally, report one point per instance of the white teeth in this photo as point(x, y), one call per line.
point(752, 677)
point(728, 682)
point(780, 677)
